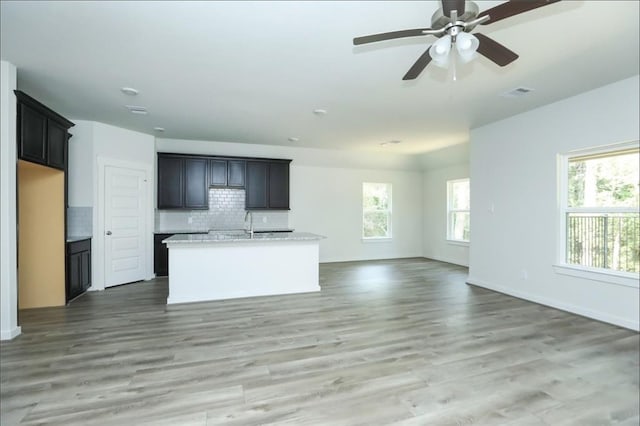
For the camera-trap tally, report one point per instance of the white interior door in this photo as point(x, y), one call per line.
point(125, 225)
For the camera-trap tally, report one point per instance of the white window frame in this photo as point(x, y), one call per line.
point(451, 211)
point(627, 279)
point(388, 211)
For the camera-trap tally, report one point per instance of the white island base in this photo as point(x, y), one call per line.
point(202, 270)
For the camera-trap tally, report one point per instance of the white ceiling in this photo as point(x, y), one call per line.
point(253, 72)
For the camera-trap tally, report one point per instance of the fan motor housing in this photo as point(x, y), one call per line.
point(471, 11)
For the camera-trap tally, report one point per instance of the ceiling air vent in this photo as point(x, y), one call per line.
point(517, 92)
point(135, 109)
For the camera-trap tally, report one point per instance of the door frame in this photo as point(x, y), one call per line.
point(98, 253)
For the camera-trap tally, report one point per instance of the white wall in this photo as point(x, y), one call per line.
point(326, 195)
point(8, 246)
point(81, 164)
point(93, 143)
point(435, 244)
point(513, 169)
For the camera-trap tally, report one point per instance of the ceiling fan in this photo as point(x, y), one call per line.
point(452, 24)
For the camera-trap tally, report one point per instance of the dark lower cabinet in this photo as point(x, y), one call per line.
point(78, 267)
point(42, 133)
point(160, 255)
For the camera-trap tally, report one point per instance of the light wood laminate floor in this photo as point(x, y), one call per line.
point(385, 342)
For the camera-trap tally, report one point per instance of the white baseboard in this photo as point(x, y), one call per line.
point(447, 260)
point(578, 310)
point(10, 334)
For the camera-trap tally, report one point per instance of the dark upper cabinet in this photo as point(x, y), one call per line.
point(42, 133)
point(78, 267)
point(257, 185)
point(170, 182)
point(279, 185)
point(218, 173)
point(236, 172)
point(196, 194)
point(182, 182)
point(32, 131)
point(267, 185)
point(57, 151)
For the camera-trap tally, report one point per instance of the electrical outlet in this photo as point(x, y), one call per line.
point(190, 221)
point(524, 274)
point(264, 219)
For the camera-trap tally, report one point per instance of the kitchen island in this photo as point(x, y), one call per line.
point(227, 265)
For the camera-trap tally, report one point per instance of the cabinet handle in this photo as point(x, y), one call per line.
point(108, 232)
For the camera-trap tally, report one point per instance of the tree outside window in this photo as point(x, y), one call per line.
point(601, 215)
point(458, 210)
point(376, 210)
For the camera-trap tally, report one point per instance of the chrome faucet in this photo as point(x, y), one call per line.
point(250, 215)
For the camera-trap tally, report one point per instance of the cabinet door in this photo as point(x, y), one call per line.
point(160, 255)
point(33, 135)
point(170, 182)
point(279, 185)
point(256, 185)
point(236, 170)
point(85, 274)
point(56, 140)
point(196, 193)
point(217, 173)
point(75, 275)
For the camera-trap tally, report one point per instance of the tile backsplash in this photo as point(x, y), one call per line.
point(226, 211)
point(80, 221)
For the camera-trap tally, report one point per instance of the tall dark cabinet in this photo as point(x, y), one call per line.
point(42, 138)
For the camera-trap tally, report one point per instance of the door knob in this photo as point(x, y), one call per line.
point(108, 232)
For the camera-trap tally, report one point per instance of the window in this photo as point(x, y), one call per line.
point(376, 210)
point(458, 210)
point(599, 209)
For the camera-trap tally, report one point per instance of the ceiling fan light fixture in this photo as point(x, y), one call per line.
point(467, 45)
point(440, 50)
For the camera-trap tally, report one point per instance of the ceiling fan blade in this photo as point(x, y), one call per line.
point(495, 51)
point(449, 5)
point(511, 8)
point(419, 65)
point(389, 36)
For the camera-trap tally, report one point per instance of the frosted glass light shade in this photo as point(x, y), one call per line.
point(440, 50)
point(466, 45)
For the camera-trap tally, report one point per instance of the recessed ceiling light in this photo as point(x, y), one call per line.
point(129, 91)
point(135, 109)
point(159, 129)
point(292, 139)
point(320, 111)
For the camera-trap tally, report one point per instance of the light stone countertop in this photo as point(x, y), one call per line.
point(240, 236)
point(74, 238)
point(206, 231)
